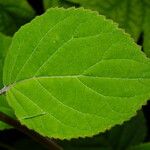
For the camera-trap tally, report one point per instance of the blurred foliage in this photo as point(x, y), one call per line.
point(5, 42)
point(14, 14)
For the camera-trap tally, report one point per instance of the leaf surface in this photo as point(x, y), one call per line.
point(13, 14)
point(77, 76)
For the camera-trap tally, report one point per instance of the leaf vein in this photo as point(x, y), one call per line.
point(34, 50)
point(97, 93)
point(83, 113)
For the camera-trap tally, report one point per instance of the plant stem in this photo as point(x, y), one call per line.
point(46, 142)
point(3, 90)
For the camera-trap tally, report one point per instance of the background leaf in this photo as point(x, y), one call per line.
point(13, 14)
point(58, 3)
point(52, 3)
point(145, 146)
point(5, 42)
point(147, 33)
point(77, 76)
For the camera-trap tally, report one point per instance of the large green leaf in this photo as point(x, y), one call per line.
point(145, 146)
point(5, 42)
point(77, 76)
point(13, 14)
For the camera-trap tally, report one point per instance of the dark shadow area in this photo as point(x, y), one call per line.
point(140, 40)
point(146, 110)
point(37, 5)
point(15, 140)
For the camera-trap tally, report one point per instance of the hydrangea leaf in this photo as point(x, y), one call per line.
point(5, 42)
point(13, 14)
point(77, 76)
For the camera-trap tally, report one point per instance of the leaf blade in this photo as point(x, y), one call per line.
point(83, 85)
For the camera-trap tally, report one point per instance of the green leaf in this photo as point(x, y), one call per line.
point(77, 76)
point(51, 3)
point(5, 42)
point(145, 146)
point(13, 14)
